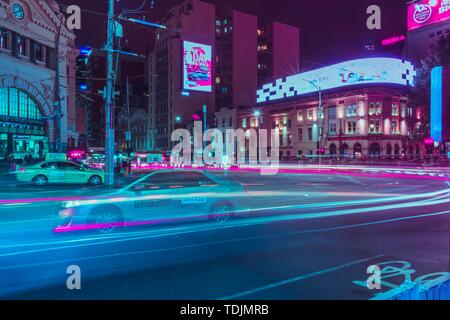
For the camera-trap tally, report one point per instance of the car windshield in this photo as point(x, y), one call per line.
point(125, 181)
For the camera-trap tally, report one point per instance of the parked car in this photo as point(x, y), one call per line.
point(58, 172)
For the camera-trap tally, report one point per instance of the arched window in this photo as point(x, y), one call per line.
point(17, 103)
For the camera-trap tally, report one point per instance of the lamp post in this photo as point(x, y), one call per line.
point(320, 118)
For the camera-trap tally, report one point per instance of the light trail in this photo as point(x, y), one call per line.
point(252, 222)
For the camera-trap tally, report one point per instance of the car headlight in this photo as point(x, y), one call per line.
point(71, 204)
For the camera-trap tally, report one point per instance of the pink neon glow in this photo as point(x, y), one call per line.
point(427, 12)
point(76, 154)
point(393, 40)
point(428, 141)
point(93, 226)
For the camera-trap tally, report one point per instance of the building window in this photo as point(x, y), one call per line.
point(374, 126)
point(4, 101)
point(300, 134)
point(394, 127)
point(254, 122)
point(332, 113)
point(375, 109)
point(22, 46)
point(244, 123)
point(4, 39)
point(16, 103)
point(395, 110)
point(332, 129)
point(351, 127)
point(310, 114)
point(13, 102)
point(299, 116)
point(310, 134)
point(351, 110)
point(38, 52)
point(217, 80)
point(23, 104)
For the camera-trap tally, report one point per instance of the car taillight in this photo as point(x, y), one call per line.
point(22, 169)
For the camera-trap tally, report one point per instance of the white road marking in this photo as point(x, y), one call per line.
point(299, 278)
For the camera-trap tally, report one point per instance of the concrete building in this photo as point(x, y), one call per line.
point(173, 106)
point(368, 117)
point(426, 24)
point(29, 121)
point(131, 96)
point(278, 51)
point(235, 59)
point(239, 61)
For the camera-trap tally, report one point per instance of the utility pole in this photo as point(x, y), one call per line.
point(205, 111)
point(321, 128)
point(128, 117)
point(57, 94)
point(109, 121)
point(320, 117)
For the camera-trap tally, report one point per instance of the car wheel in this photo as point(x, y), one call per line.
point(40, 180)
point(95, 180)
point(221, 212)
point(107, 220)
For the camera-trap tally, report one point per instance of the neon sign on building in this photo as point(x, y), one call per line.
point(354, 72)
point(427, 12)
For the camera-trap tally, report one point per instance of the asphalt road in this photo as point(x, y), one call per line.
point(310, 236)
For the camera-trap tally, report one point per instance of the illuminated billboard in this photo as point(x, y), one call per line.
point(354, 72)
point(426, 12)
point(440, 104)
point(197, 67)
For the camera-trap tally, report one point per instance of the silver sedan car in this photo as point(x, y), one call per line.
point(163, 196)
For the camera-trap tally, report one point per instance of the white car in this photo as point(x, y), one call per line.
point(159, 197)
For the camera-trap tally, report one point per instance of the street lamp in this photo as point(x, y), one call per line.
point(320, 117)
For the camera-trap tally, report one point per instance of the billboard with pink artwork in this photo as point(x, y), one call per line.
point(427, 12)
point(197, 67)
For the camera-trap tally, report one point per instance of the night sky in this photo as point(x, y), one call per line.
point(330, 30)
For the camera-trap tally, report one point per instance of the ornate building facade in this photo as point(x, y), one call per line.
point(31, 123)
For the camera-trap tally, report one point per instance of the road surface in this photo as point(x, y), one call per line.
point(306, 236)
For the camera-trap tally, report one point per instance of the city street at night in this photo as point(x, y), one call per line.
point(304, 237)
point(224, 159)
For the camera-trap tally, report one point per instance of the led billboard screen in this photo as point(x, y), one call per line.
point(440, 104)
point(426, 12)
point(197, 67)
point(354, 72)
